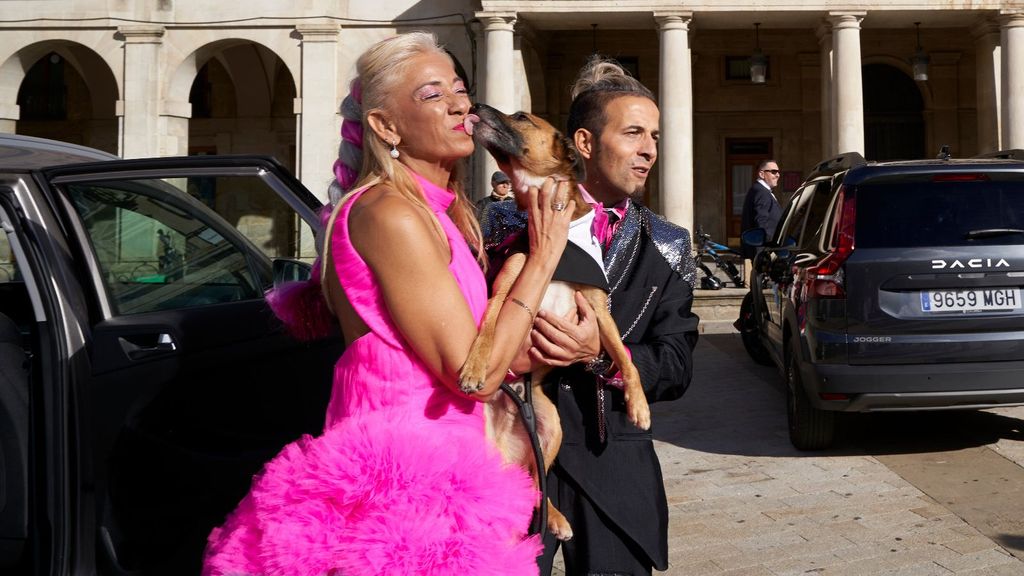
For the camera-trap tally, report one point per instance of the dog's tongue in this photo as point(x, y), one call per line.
point(470, 120)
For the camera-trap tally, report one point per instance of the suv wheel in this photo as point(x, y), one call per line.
point(809, 427)
point(749, 332)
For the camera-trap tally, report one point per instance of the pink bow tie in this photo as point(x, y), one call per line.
point(602, 227)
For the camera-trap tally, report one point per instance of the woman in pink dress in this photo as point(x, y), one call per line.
point(403, 479)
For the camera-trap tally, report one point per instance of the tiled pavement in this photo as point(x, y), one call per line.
point(743, 502)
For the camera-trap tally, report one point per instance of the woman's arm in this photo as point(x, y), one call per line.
point(402, 247)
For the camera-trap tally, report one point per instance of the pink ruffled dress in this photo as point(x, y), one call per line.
point(403, 480)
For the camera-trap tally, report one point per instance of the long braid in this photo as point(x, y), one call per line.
point(302, 306)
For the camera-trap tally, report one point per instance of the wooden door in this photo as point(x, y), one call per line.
point(741, 158)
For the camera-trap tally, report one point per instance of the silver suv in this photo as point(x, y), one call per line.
point(143, 380)
point(893, 286)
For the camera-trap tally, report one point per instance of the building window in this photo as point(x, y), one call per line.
point(737, 68)
point(631, 64)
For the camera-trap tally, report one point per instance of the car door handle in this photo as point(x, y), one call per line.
point(143, 346)
point(803, 258)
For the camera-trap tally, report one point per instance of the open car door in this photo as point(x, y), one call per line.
point(186, 382)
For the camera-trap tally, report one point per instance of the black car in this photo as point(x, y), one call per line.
point(143, 379)
point(893, 286)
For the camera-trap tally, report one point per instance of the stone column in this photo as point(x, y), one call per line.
point(675, 158)
point(986, 84)
point(319, 121)
point(849, 100)
point(942, 120)
point(1013, 81)
point(9, 114)
point(174, 119)
point(140, 105)
point(828, 146)
point(498, 90)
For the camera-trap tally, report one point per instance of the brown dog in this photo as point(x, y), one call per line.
point(529, 150)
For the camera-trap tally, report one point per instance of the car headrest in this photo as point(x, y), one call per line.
point(9, 331)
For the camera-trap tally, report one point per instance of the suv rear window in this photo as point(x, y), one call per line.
point(909, 214)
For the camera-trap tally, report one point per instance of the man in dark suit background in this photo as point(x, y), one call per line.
point(760, 209)
point(607, 478)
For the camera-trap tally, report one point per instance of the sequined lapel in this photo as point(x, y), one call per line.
point(619, 257)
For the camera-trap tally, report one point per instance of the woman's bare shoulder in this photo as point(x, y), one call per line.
point(386, 219)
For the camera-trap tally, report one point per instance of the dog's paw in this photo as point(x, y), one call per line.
point(637, 408)
point(558, 526)
point(473, 374)
point(470, 384)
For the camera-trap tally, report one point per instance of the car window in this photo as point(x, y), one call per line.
point(793, 217)
point(816, 220)
point(155, 253)
point(8, 267)
point(254, 209)
point(944, 213)
point(14, 298)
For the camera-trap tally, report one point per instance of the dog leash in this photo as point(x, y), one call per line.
point(539, 524)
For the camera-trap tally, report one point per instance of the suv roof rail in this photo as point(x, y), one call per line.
point(1008, 154)
point(844, 161)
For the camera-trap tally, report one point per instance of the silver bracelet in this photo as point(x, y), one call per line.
point(598, 365)
point(522, 304)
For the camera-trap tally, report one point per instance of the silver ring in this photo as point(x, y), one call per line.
point(558, 206)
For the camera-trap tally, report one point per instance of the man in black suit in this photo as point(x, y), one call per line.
point(607, 478)
point(760, 209)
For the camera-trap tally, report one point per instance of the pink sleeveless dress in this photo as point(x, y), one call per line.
point(403, 480)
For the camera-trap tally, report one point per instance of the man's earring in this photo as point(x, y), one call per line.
point(394, 151)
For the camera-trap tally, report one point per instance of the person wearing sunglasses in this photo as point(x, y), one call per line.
point(760, 208)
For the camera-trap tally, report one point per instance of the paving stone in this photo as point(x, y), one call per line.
point(980, 559)
point(744, 502)
point(1008, 569)
point(969, 545)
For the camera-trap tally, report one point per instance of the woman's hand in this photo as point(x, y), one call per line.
point(560, 341)
point(549, 211)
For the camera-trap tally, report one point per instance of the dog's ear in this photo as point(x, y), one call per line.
point(575, 161)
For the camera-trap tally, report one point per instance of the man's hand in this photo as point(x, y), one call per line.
point(564, 341)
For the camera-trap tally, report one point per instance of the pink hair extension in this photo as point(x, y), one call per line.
point(350, 152)
point(301, 305)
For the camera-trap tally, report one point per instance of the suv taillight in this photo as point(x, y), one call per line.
point(826, 278)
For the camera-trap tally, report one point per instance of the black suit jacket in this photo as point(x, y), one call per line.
point(651, 304)
point(760, 210)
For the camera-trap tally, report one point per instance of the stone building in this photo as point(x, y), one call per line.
point(176, 77)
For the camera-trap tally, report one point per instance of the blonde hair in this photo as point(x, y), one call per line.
point(379, 70)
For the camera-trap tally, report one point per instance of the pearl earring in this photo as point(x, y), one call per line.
point(394, 151)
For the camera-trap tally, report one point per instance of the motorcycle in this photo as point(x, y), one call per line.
point(711, 252)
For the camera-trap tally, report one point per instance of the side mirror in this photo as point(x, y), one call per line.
point(291, 270)
point(779, 269)
point(754, 237)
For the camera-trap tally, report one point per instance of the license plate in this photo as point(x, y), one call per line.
point(980, 300)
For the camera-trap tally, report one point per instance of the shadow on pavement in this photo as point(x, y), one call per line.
point(735, 406)
point(916, 432)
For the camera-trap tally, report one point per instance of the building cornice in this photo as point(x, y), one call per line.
point(142, 33)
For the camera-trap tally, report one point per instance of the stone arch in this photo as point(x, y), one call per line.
point(209, 46)
point(894, 111)
point(256, 90)
point(903, 65)
point(241, 100)
point(93, 90)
